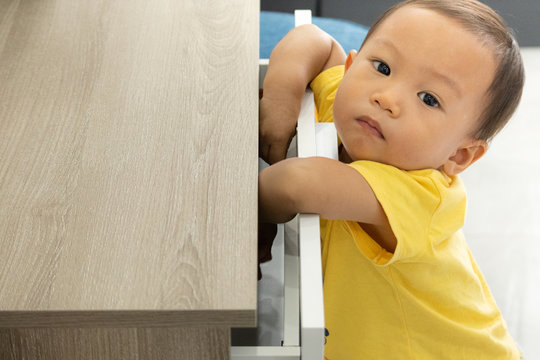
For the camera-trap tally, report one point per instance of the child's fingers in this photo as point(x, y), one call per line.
point(273, 152)
point(267, 233)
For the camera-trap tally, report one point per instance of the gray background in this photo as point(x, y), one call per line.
point(521, 15)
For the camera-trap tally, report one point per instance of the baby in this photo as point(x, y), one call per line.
point(431, 85)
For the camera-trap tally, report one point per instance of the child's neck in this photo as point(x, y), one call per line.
point(344, 155)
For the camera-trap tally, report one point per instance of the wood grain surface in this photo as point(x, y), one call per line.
point(128, 162)
point(123, 344)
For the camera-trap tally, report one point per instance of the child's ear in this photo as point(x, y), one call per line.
point(350, 59)
point(465, 156)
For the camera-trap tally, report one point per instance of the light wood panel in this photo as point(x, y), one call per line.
point(128, 162)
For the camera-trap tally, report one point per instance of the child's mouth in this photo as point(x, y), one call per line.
point(371, 126)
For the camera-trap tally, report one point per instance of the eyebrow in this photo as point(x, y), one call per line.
point(427, 69)
point(447, 80)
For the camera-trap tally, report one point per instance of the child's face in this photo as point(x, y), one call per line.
point(414, 93)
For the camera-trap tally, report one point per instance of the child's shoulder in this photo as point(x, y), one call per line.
point(324, 88)
point(420, 186)
point(328, 76)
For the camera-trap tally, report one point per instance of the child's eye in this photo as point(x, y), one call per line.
point(381, 67)
point(428, 99)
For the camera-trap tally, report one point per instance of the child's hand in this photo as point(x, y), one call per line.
point(267, 233)
point(277, 127)
point(296, 60)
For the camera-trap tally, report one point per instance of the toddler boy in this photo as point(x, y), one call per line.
point(433, 82)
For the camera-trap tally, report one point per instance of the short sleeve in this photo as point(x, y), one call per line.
point(421, 206)
point(324, 88)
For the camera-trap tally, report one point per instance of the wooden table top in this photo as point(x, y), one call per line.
point(128, 162)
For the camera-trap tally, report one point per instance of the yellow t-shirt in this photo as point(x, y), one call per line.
point(427, 300)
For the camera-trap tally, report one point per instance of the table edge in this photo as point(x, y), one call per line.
point(129, 318)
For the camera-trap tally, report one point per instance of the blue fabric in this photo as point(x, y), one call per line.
point(275, 25)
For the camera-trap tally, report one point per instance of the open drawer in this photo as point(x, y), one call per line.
point(293, 292)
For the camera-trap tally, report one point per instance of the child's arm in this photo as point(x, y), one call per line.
point(296, 60)
point(326, 187)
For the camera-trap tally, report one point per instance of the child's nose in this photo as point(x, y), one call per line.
point(387, 101)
